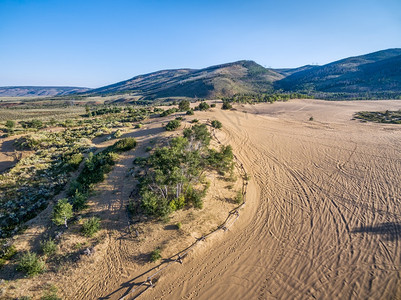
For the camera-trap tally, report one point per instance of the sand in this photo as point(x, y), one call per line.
point(323, 213)
point(322, 217)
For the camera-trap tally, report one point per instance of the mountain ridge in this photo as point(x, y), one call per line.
point(368, 74)
point(355, 74)
point(39, 91)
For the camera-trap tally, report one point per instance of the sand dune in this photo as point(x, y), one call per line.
point(323, 216)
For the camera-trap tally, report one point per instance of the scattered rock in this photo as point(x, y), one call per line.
point(89, 251)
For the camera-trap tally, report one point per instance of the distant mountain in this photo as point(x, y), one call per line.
point(289, 71)
point(39, 91)
point(372, 75)
point(375, 72)
point(216, 81)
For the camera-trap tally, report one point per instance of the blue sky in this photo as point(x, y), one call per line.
point(94, 43)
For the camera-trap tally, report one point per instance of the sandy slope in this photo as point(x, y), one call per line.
point(323, 213)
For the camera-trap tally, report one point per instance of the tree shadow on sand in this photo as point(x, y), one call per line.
point(391, 231)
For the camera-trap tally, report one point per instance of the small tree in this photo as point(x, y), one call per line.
point(48, 247)
point(203, 106)
point(155, 255)
point(226, 105)
point(184, 105)
point(62, 212)
point(216, 124)
point(31, 264)
point(173, 125)
point(91, 226)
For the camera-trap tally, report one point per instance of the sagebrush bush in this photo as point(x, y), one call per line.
point(117, 134)
point(31, 264)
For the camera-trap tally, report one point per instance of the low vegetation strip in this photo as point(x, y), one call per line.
point(95, 168)
point(232, 217)
point(263, 98)
point(26, 189)
point(388, 116)
point(175, 174)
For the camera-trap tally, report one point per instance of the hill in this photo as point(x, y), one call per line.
point(39, 91)
point(289, 71)
point(372, 73)
point(216, 81)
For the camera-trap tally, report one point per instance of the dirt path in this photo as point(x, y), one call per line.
point(324, 219)
point(121, 258)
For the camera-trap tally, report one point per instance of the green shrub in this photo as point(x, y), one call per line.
point(138, 126)
point(199, 133)
point(194, 197)
point(216, 124)
point(155, 255)
point(8, 252)
point(184, 105)
point(50, 294)
point(168, 112)
point(124, 144)
point(311, 119)
point(91, 226)
point(117, 134)
point(2, 262)
point(239, 198)
point(226, 105)
point(62, 212)
point(203, 106)
point(79, 201)
point(173, 125)
point(31, 264)
point(178, 225)
point(213, 105)
point(75, 160)
point(190, 112)
point(148, 148)
point(48, 247)
point(10, 124)
point(195, 121)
